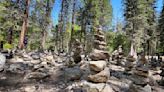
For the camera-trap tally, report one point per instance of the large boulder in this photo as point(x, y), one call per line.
point(101, 77)
point(72, 73)
point(2, 61)
point(99, 55)
point(37, 75)
point(99, 87)
point(136, 88)
point(97, 65)
point(17, 67)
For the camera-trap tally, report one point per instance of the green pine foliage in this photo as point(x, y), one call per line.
point(161, 31)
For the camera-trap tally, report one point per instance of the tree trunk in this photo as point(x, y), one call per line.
point(44, 33)
point(10, 35)
point(60, 27)
point(57, 39)
point(133, 51)
point(24, 26)
point(72, 29)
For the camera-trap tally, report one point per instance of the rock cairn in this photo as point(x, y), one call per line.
point(99, 72)
point(77, 51)
point(141, 71)
point(99, 42)
point(33, 60)
point(118, 55)
point(130, 60)
point(142, 66)
point(99, 52)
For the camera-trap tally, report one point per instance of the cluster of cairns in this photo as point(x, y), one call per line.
point(35, 64)
point(98, 64)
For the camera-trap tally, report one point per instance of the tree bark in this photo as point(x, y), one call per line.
point(24, 26)
point(10, 35)
point(60, 28)
point(133, 51)
point(72, 29)
point(44, 33)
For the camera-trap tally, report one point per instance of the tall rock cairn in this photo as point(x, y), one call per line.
point(77, 48)
point(99, 72)
point(99, 40)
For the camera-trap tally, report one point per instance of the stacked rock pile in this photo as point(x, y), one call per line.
point(99, 72)
point(129, 64)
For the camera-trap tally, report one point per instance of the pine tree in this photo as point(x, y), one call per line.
point(151, 30)
point(94, 13)
point(161, 30)
point(140, 24)
point(131, 27)
point(24, 25)
point(10, 21)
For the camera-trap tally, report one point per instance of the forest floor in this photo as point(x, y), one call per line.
point(24, 76)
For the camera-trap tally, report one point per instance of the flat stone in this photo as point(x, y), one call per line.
point(129, 65)
point(100, 47)
point(17, 67)
point(35, 56)
point(136, 88)
point(98, 87)
point(99, 55)
point(49, 58)
point(97, 42)
point(97, 65)
point(99, 37)
point(35, 61)
point(101, 77)
point(130, 59)
point(139, 80)
point(30, 89)
point(37, 75)
point(107, 88)
point(142, 71)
